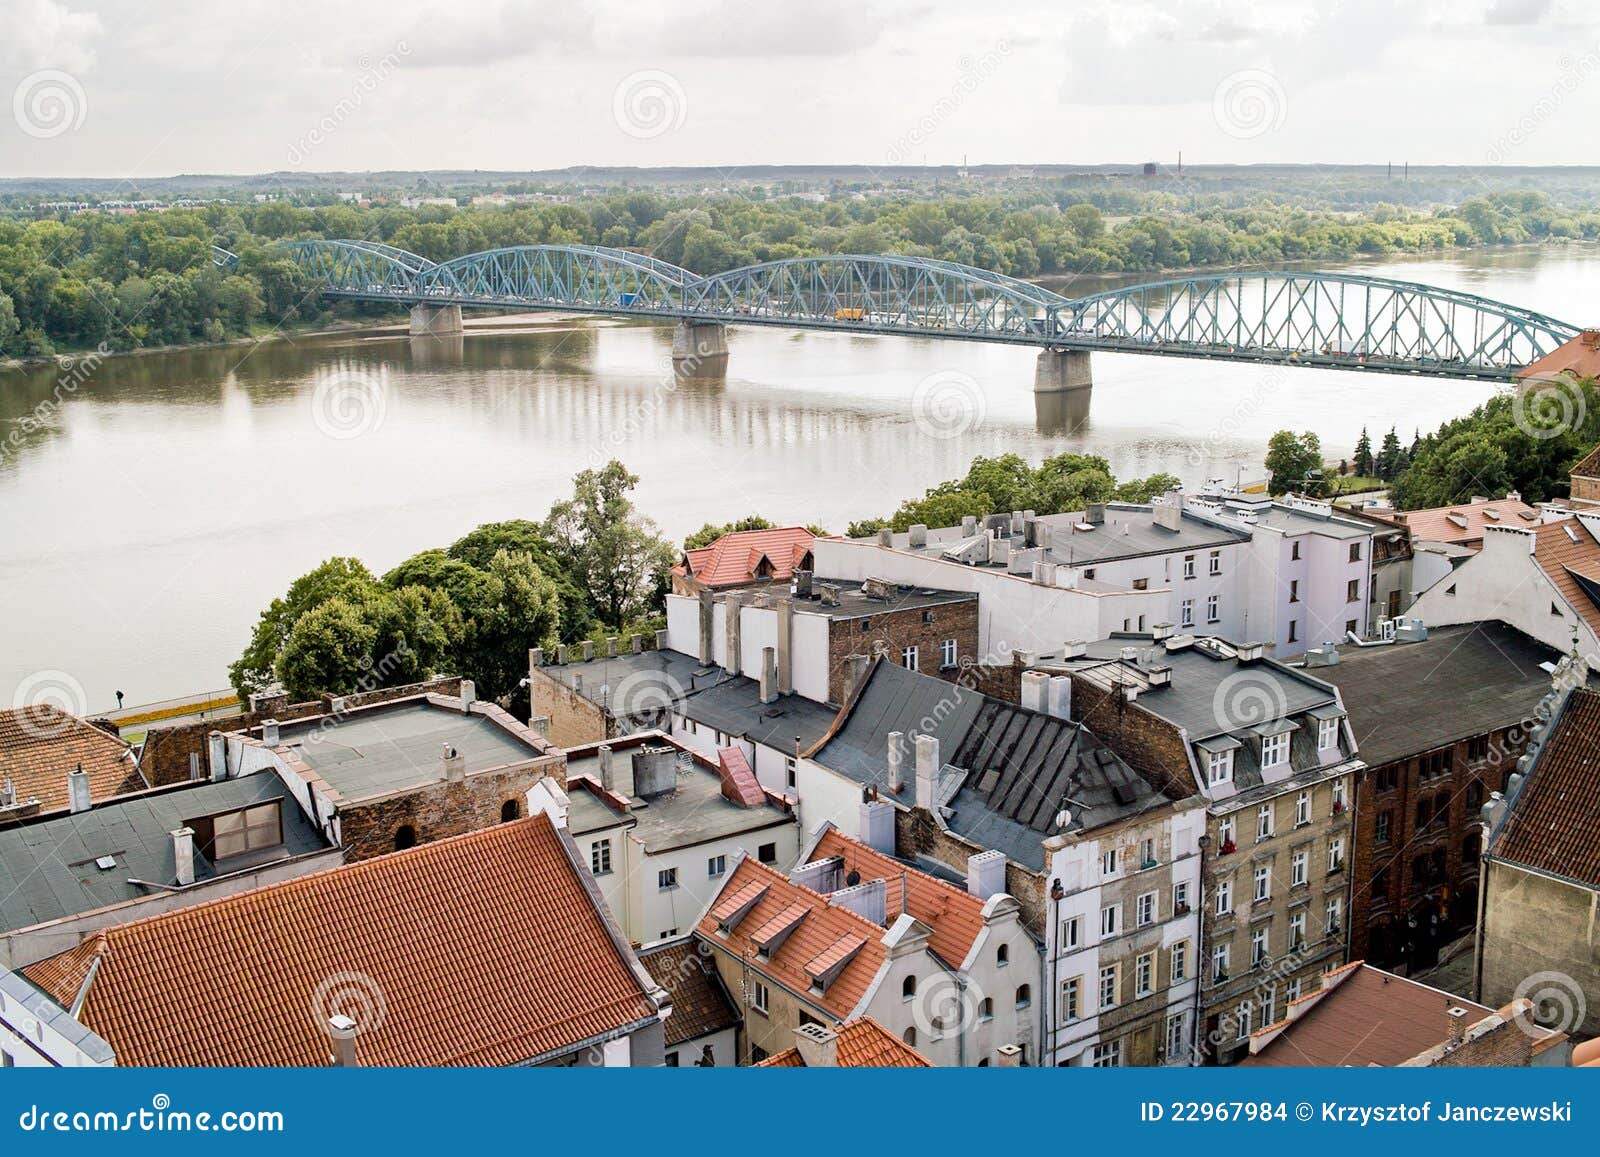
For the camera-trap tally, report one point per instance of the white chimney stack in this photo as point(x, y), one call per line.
point(342, 1030)
point(897, 754)
point(986, 874)
point(78, 790)
point(876, 828)
point(1058, 698)
point(183, 855)
point(269, 732)
point(927, 770)
point(455, 768)
point(769, 674)
point(469, 693)
point(606, 770)
point(818, 1046)
point(1034, 684)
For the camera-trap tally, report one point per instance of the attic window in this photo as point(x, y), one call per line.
point(236, 833)
point(1572, 534)
point(106, 863)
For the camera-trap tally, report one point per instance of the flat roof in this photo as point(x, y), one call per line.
point(377, 751)
point(704, 693)
point(50, 866)
point(695, 812)
point(854, 603)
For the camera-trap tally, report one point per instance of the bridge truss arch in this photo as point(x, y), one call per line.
point(359, 269)
point(587, 277)
point(1343, 320)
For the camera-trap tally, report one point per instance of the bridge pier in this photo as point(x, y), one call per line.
point(1062, 370)
point(698, 344)
point(429, 320)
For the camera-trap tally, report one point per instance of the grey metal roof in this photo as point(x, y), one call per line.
point(1011, 769)
point(694, 812)
point(708, 695)
point(1291, 521)
point(1407, 698)
point(48, 870)
point(380, 750)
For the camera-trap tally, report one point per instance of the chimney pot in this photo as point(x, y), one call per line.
point(183, 856)
point(269, 732)
point(535, 657)
point(78, 790)
point(886, 537)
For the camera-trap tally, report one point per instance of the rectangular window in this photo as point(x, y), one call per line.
point(789, 771)
point(667, 879)
point(1219, 767)
point(1071, 933)
point(1147, 853)
point(760, 997)
point(600, 857)
point(908, 658)
point(1258, 947)
point(1213, 608)
point(1294, 590)
point(716, 866)
point(1381, 827)
point(1335, 917)
point(767, 853)
point(1180, 961)
point(1352, 626)
point(1145, 910)
point(1297, 931)
point(1186, 613)
point(1355, 552)
point(1216, 562)
point(1175, 1036)
point(1108, 862)
point(1264, 822)
point(1275, 750)
point(1298, 873)
point(1291, 991)
point(1144, 972)
point(1302, 809)
point(1294, 551)
point(1108, 987)
point(1188, 566)
point(1219, 963)
point(1107, 1056)
point(1225, 830)
point(1180, 897)
point(1224, 897)
point(234, 833)
point(947, 653)
point(1263, 883)
point(1335, 854)
point(667, 934)
point(1294, 630)
point(1338, 796)
point(1071, 999)
point(1352, 591)
point(1108, 920)
point(1245, 1013)
point(1141, 584)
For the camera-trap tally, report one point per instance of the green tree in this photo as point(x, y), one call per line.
point(257, 668)
point(1294, 463)
point(612, 552)
point(327, 651)
point(511, 606)
point(711, 531)
point(1363, 456)
point(1387, 464)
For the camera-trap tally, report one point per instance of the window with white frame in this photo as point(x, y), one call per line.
point(1216, 562)
point(667, 879)
point(1145, 910)
point(1213, 608)
point(1108, 862)
point(1188, 566)
point(789, 771)
point(1291, 990)
point(1107, 1055)
point(1108, 919)
point(1275, 750)
point(1335, 916)
point(760, 997)
point(947, 653)
point(1267, 998)
point(1176, 1034)
point(1219, 767)
point(1147, 853)
point(1179, 965)
point(1258, 946)
point(1263, 883)
point(1071, 933)
point(1338, 795)
point(1108, 986)
point(1224, 897)
point(908, 658)
point(1327, 734)
point(600, 857)
point(716, 866)
point(1297, 930)
point(1264, 822)
point(1335, 854)
point(1298, 868)
point(1186, 613)
point(1071, 999)
point(1225, 829)
point(1180, 895)
point(1302, 809)
point(1144, 974)
point(1219, 962)
point(1244, 1014)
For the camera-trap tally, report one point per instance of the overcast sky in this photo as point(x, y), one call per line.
point(148, 88)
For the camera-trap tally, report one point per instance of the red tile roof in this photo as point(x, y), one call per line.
point(1578, 356)
point(1463, 523)
point(863, 1044)
point(40, 745)
point(1554, 823)
point(1589, 465)
point(485, 949)
point(954, 914)
point(734, 558)
point(700, 1003)
point(1569, 556)
point(738, 782)
point(826, 935)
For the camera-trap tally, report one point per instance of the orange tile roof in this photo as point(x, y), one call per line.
point(732, 560)
point(1554, 823)
point(954, 914)
point(1569, 560)
point(1578, 356)
point(1589, 465)
point(825, 933)
point(434, 950)
point(1464, 522)
point(40, 745)
point(863, 1044)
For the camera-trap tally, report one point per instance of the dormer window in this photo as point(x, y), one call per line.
point(1274, 750)
point(228, 835)
point(1327, 733)
point(1217, 755)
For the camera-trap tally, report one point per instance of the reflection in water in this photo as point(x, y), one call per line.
point(148, 514)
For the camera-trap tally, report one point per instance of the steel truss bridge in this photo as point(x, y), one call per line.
point(1340, 321)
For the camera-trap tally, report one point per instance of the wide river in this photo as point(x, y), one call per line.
point(163, 500)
